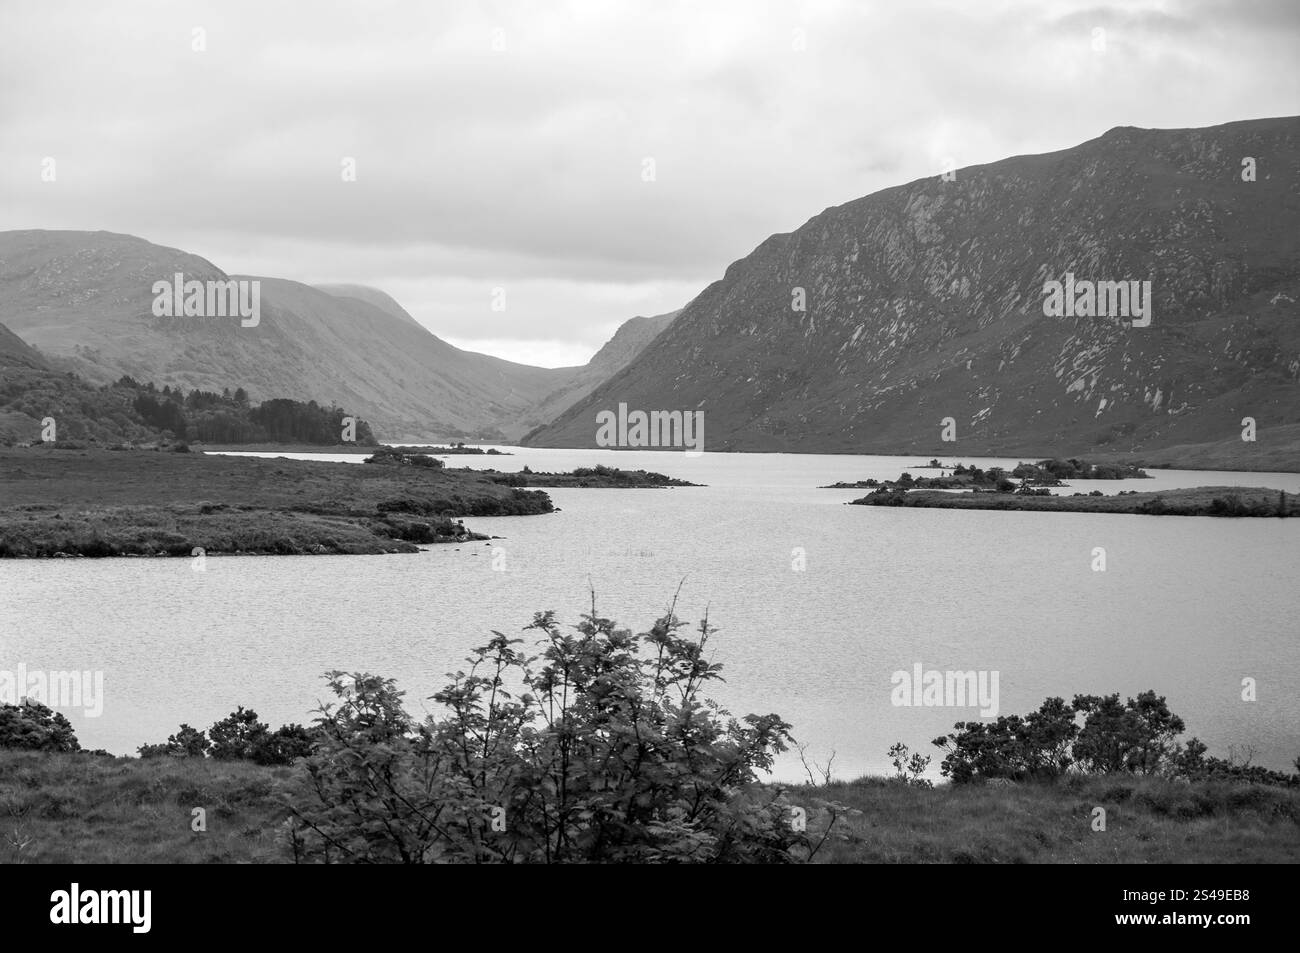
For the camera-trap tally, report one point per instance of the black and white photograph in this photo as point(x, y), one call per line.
point(650, 433)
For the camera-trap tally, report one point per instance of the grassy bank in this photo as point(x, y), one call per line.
point(108, 503)
point(1196, 501)
point(83, 808)
point(92, 809)
point(1148, 820)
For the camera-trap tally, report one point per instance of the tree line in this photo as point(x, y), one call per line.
point(227, 417)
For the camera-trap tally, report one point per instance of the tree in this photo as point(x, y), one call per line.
point(238, 735)
point(1034, 747)
point(609, 753)
point(285, 745)
point(31, 726)
point(1137, 736)
point(186, 741)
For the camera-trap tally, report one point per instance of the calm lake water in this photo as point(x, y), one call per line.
point(817, 604)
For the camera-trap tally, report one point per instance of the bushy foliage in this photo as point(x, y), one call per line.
point(240, 736)
point(136, 412)
point(1191, 762)
point(600, 749)
point(185, 742)
point(31, 726)
point(1136, 736)
point(285, 745)
point(1075, 469)
point(908, 766)
point(1232, 505)
point(236, 736)
point(1012, 747)
point(393, 456)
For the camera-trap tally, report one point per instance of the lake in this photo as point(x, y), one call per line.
point(817, 605)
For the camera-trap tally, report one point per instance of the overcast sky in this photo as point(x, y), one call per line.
point(524, 167)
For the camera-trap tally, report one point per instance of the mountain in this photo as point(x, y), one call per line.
point(130, 412)
point(926, 301)
point(15, 353)
point(380, 299)
point(631, 338)
point(31, 393)
point(85, 300)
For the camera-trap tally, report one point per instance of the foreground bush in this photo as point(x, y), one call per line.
point(608, 753)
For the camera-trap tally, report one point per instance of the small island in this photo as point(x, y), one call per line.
point(1044, 473)
point(99, 502)
point(1193, 501)
point(597, 477)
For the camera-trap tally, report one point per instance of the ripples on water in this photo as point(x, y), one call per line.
point(1187, 606)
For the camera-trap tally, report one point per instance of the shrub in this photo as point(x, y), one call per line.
point(1137, 736)
point(285, 745)
point(909, 767)
point(1036, 746)
point(392, 456)
point(593, 751)
point(187, 741)
point(32, 726)
point(237, 735)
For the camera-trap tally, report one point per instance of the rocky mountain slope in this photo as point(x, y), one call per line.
point(925, 302)
point(85, 300)
point(632, 337)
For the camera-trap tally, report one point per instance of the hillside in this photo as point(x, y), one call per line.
point(31, 391)
point(380, 299)
point(134, 412)
point(85, 300)
point(925, 301)
point(632, 337)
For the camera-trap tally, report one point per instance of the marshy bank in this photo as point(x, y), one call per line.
point(151, 503)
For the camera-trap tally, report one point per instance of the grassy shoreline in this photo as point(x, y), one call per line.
point(143, 503)
point(102, 503)
point(85, 808)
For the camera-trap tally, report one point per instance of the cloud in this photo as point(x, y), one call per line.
point(523, 165)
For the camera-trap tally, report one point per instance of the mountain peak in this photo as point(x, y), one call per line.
point(864, 328)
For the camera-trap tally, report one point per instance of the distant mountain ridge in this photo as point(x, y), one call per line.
point(632, 337)
point(380, 299)
point(925, 301)
point(84, 300)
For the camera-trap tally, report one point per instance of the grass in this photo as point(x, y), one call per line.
point(138, 502)
point(1148, 820)
point(83, 808)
